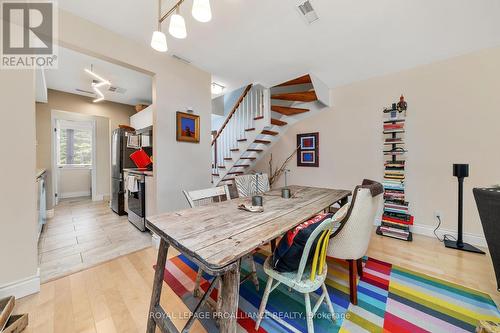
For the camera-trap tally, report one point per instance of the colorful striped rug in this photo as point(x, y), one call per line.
point(390, 299)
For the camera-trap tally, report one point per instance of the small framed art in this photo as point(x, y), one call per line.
point(308, 151)
point(188, 127)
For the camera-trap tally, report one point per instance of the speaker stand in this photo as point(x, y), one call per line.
point(459, 243)
point(463, 246)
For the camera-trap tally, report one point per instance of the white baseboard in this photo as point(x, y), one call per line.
point(50, 213)
point(426, 230)
point(74, 194)
point(21, 288)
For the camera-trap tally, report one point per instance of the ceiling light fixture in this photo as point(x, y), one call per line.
point(177, 26)
point(201, 11)
point(96, 85)
point(217, 88)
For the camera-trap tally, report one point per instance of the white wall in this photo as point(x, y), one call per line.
point(18, 220)
point(176, 85)
point(453, 117)
point(178, 165)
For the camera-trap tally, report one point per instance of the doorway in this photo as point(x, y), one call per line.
point(74, 156)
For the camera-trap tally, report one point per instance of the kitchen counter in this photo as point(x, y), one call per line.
point(148, 173)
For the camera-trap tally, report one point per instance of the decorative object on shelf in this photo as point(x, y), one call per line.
point(461, 171)
point(276, 174)
point(308, 151)
point(257, 199)
point(402, 105)
point(201, 12)
point(140, 107)
point(396, 218)
point(188, 127)
point(285, 191)
point(217, 88)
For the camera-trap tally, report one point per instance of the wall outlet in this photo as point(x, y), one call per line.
point(438, 214)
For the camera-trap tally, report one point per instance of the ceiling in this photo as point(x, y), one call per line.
point(70, 76)
point(267, 41)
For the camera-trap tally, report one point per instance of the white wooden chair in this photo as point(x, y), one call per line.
point(350, 241)
point(308, 278)
point(245, 184)
point(198, 198)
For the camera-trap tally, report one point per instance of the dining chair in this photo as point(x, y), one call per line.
point(203, 197)
point(308, 278)
point(245, 184)
point(350, 241)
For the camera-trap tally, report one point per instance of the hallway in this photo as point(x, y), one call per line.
point(83, 233)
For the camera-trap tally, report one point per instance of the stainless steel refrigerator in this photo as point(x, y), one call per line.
point(120, 159)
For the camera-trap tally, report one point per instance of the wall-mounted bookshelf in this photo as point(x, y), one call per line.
point(396, 218)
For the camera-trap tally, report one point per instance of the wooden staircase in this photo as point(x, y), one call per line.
point(258, 119)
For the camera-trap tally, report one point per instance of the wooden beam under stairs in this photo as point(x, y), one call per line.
point(303, 96)
point(300, 80)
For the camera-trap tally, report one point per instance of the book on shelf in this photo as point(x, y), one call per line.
point(395, 235)
point(393, 126)
point(395, 225)
point(398, 130)
point(394, 230)
point(397, 218)
point(399, 120)
point(394, 164)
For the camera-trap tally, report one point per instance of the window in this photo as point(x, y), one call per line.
point(74, 143)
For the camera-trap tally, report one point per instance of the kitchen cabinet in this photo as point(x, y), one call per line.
point(142, 119)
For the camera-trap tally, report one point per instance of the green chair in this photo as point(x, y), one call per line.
point(309, 277)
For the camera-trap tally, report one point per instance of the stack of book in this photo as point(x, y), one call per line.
point(396, 219)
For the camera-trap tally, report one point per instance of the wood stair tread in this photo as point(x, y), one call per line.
point(241, 140)
point(221, 167)
point(215, 174)
point(241, 166)
point(259, 117)
point(228, 158)
point(278, 122)
point(303, 96)
point(262, 141)
point(268, 132)
point(255, 149)
point(234, 149)
point(235, 173)
point(287, 110)
point(304, 79)
point(250, 129)
point(248, 158)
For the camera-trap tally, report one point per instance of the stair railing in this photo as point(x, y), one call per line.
point(252, 104)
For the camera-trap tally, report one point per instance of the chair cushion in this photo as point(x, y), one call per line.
point(286, 256)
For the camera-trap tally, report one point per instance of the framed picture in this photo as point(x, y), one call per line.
point(188, 127)
point(308, 151)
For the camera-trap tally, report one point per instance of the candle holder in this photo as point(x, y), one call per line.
point(285, 191)
point(257, 200)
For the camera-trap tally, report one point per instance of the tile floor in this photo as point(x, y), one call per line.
point(83, 233)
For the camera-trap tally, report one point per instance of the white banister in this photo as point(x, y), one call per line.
point(253, 103)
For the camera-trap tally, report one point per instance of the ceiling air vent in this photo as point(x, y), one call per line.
point(117, 90)
point(181, 59)
point(307, 11)
point(85, 91)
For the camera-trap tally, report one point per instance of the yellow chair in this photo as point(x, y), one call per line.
point(309, 277)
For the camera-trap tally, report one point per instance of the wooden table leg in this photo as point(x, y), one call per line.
point(157, 284)
point(230, 297)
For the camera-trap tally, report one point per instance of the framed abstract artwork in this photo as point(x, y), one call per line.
point(308, 151)
point(188, 127)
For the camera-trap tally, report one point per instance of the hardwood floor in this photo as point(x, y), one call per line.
point(83, 233)
point(114, 296)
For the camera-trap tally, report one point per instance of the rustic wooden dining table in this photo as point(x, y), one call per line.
point(217, 236)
